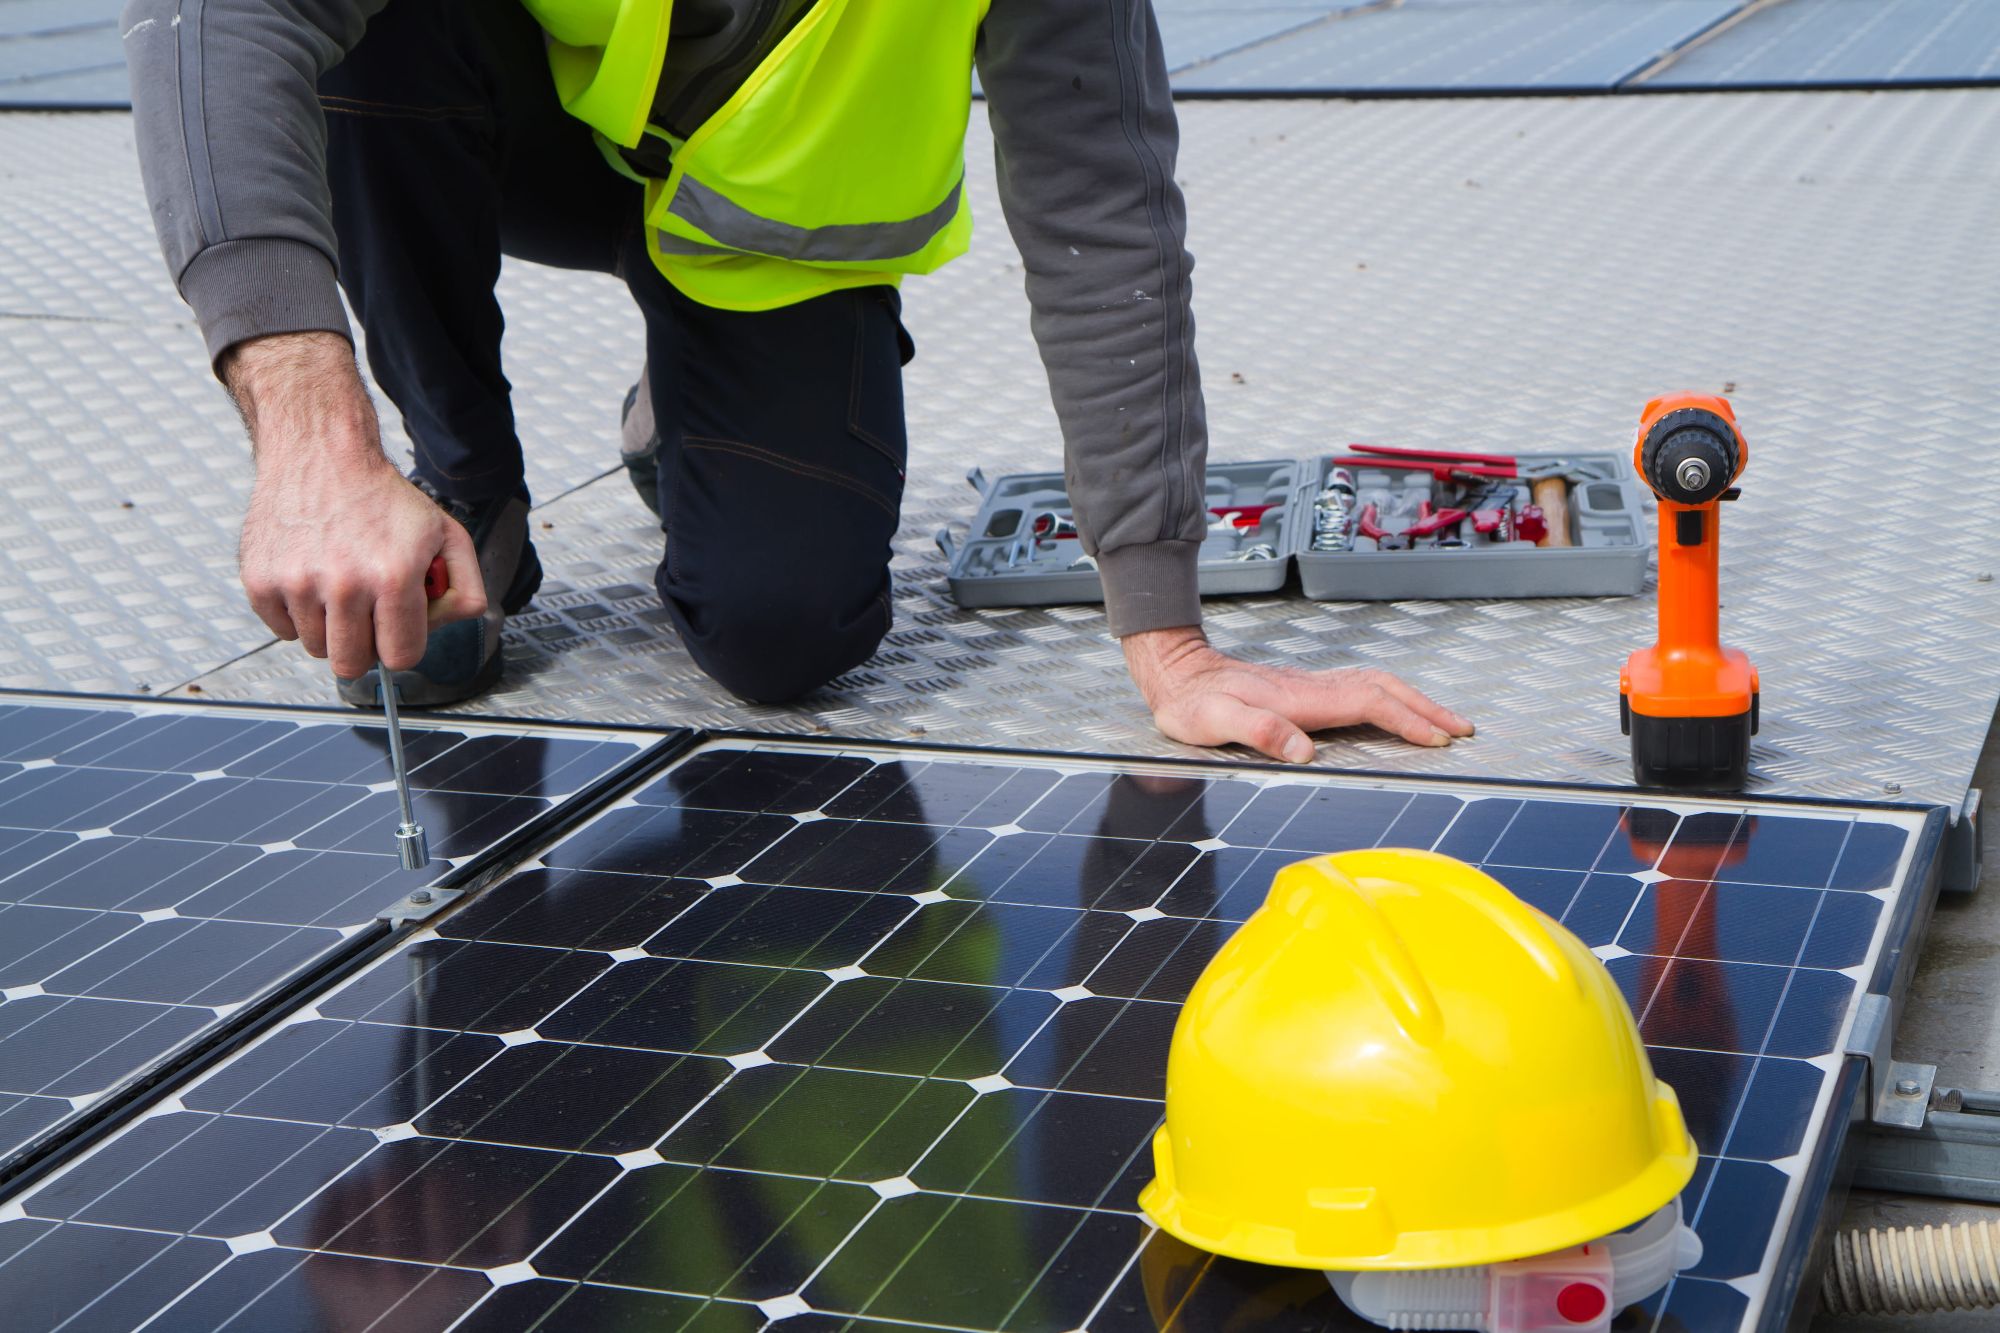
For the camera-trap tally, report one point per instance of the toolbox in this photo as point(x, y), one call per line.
point(1004, 562)
point(1267, 517)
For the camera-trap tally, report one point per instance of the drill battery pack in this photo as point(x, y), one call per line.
point(1690, 752)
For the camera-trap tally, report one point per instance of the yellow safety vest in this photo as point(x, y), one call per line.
point(839, 162)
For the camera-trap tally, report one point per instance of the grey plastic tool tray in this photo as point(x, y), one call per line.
point(1607, 522)
point(1041, 575)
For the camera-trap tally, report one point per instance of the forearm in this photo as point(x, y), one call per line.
point(232, 148)
point(303, 402)
point(1086, 163)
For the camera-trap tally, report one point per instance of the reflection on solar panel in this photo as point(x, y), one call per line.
point(860, 1040)
point(162, 866)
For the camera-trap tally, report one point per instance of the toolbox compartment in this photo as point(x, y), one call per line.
point(1607, 523)
point(1000, 563)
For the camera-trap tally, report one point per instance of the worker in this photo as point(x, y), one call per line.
point(715, 155)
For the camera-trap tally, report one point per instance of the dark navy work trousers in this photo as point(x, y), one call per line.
point(783, 440)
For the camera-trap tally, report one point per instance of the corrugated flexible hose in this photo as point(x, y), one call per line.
point(1913, 1270)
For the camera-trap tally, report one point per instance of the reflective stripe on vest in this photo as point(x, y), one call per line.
point(736, 228)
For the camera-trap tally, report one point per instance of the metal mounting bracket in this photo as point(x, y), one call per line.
point(1954, 1155)
point(1920, 1138)
point(1962, 856)
point(418, 905)
point(1898, 1091)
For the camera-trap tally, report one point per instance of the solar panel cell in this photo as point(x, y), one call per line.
point(366, 1075)
point(836, 1123)
point(552, 1305)
point(575, 909)
point(734, 1234)
point(204, 1175)
point(272, 1289)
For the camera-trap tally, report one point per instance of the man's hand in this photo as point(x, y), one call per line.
point(1201, 697)
point(336, 542)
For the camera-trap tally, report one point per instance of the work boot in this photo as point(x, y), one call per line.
point(464, 658)
point(639, 443)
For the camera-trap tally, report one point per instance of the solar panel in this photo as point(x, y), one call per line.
point(869, 1039)
point(1846, 42)
point(163, 866)
point(1449, 45)
point(1192, 31)
point(61, 52)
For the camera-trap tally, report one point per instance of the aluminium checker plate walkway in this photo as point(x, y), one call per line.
point(1443, 273)
point(1455, 275)
point(165, 867)
point(814, 1038)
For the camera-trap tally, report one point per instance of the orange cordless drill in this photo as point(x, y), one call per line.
point(1688, 703)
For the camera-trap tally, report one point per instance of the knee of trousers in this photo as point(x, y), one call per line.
point(778, 645)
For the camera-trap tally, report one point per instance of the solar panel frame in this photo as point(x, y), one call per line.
point(517, 1291)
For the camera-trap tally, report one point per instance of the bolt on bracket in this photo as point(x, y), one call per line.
point(418, 905)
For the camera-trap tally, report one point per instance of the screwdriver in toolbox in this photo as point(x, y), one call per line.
point(412, 847)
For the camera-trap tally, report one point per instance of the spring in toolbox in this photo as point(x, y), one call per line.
point(1333, 513)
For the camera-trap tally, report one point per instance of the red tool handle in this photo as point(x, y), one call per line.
point(436, 582)
point(1247, 516)
point(1429, 525)
point(1435, 455)
point(1442, 469)
point(1365, 524)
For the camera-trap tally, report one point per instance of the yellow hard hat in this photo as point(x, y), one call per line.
point(1396, 1063)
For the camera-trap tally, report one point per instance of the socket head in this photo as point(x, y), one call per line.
point(413, 849)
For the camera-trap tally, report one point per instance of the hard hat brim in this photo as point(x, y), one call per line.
point(1287, 1243)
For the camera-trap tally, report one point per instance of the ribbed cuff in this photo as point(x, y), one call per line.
point(250, 289)
point(1150, 586)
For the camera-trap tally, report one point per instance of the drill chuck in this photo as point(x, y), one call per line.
point(1689, 456)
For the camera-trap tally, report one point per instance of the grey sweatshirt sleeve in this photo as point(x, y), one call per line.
point(1084, 132)
point(232, 146)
